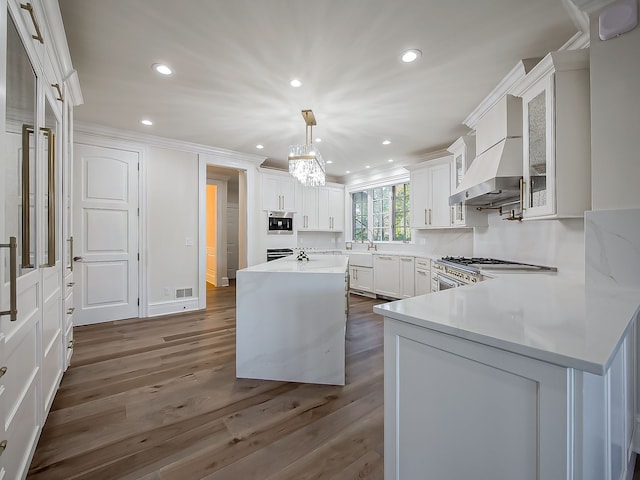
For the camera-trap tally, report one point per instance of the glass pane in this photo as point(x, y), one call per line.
point(537, 150)
point(459, 170)
point(18, 158)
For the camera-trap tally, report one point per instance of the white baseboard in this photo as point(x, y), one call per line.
point(173, 306)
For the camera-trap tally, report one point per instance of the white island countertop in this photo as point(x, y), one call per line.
point(316, 264)
point(547, 318)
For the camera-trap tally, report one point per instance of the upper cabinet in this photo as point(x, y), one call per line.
point(464, 151)
point(556, 136)
point(278, 192)
point(430, 190)
point(321, 208)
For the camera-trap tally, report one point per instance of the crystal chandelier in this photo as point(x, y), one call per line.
point(305, 162)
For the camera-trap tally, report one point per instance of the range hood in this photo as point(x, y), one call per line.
point(493, 179)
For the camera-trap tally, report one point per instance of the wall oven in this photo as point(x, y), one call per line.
point(280, 223)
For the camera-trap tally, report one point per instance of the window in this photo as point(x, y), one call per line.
point(381, 214)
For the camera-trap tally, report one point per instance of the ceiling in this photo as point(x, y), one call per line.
point(233, 61)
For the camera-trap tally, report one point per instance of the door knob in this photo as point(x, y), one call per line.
point(77, 259)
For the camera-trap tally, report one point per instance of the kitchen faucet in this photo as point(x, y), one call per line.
point(371, 246)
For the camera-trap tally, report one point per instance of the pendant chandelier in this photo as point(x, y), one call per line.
point(305, 162)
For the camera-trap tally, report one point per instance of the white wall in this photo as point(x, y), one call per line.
point(172, 217)
point(615, 119)
point(556, 243)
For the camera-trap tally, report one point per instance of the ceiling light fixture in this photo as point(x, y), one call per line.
point(296, 83)
point(259, 146)
point(318, 140)
point(162, 68)
point(367, 166)
point(411, 55)
point(329, 161)
point(305, 162)
point(386, 142)
point(390, 160)
point(146, 122)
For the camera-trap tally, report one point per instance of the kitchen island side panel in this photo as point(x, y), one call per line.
point(291, 326)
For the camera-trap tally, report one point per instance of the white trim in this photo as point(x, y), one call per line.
point(379, 181)
point(516, 74)
point(232, 158)
point(553, 62)
point(579, 18)
point(591, 6)
point(579, 41)
point(173, 306)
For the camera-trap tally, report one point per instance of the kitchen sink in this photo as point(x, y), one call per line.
point(360, 259)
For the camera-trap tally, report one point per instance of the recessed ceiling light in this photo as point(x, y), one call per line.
point(390, 160)
point(367, 166)
point(146, 122)
point(386, 142)
point(329, 161)
point(162, 68)
point(348, 171)
point(411, 56)
point(318, 140)
point(295, 82)
point(259, 146)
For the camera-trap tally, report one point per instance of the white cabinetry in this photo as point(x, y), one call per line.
point(522, 418)
point(321, 208)
point(464, 151)
point(278, 192)
point(430, 190)
point(331, 208)
point(38, 90)
point(394, 276)
point(386, 275)
point(422, 276)
point(361, 279)
point(556, 127)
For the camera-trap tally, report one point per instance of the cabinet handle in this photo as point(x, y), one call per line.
point(3, 446)
point(429, 216)
point(70, 344)
point(405, 259)
point(57, 87)
point(51, 197)
point(29, 8)
point(13, 279)
point(531, 192)
point(420, 272)
point(461, 212)
point(425, 217)
point(522, 208)
point(70, 310)
point(70, 267)
point(3, 370)
point(381, 257)
point(26, 210)
point(71, 284)
point(451, 215)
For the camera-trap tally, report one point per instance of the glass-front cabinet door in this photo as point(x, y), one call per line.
point(539, 166)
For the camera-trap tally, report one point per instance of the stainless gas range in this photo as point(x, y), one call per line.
point(451, 272)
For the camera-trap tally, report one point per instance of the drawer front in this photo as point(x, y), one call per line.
point(68, 310)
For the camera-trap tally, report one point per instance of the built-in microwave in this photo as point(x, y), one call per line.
point(280, 223)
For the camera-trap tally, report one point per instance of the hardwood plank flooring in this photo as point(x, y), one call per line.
point(157, 399)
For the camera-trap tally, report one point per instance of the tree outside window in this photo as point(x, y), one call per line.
point(383, 213)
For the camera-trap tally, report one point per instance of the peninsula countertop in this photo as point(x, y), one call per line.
point(544, 317)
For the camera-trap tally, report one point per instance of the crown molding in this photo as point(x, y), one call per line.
point(590, 6)
point(579, 41)
point(553, 62)
point(110, 133)
point(516, 74)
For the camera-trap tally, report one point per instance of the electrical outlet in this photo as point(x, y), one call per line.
point(188, 241)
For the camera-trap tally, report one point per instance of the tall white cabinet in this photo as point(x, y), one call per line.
point(430, 190)
point(37, 92)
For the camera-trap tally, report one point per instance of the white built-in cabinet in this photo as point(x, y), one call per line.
point(430, 191)
point(38, 89)
point(320, 208)
point(464, 152)
point(394, 276)
point(278, 192)
point(422, 276)
point(556, 136)
point(361, 279)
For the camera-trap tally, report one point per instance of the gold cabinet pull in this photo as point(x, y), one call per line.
point(13, 279)
point(26, 210)
point(70, 310)
point(70, 344)
point(57, 87)
point(29, 8)
point(3, 370)
point(522, 194)
point(51, 197)
point(3, 446)
point(71, 284)
point(70, 267)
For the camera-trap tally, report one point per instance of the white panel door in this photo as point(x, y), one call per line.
point(105, 219)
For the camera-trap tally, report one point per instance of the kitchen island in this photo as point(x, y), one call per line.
point(523, 376)
point(291, 318)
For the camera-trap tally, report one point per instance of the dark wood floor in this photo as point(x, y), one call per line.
point(158, 399)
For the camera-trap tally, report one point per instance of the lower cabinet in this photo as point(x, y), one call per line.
point(407, 277)
point(386, 276)
point(361, 279)
point(422, 276)
point(456, 408)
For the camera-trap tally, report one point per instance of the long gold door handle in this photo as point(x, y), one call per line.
point(29, 8)
point(51, 197)
point(70, 267)
point(26, 200)
point(13, 279)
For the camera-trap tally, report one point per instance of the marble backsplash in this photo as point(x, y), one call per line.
point(612, 248)
point(555, 243)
